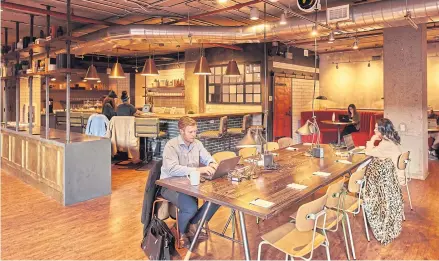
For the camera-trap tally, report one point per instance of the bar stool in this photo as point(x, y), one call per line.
point(216, 134)
point(148, 128)
point(245, 125)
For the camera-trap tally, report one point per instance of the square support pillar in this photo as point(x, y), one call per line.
point(405, 91)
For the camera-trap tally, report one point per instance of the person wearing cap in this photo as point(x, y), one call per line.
point(109, 105)
point(125, 109)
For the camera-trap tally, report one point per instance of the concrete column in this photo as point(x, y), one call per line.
point(405, 91)
point(194, 99)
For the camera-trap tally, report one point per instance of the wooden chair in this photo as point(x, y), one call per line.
point(285, 142)
point(223, 155)
point(270, 146)
point(334, 214)
point(403, 161)
point(300, 238)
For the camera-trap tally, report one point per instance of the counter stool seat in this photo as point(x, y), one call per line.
point(245, 125)
point(149, 128)
point(216, 134)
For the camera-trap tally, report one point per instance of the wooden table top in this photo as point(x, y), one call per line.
point(295, 167)
point(335, 122)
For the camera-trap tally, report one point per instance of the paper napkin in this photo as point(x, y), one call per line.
point(297, 186)
point(344, 161)
point(262, 203)
point(322, 173)
point(292, 148)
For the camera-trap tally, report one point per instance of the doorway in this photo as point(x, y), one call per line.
point(283, 105)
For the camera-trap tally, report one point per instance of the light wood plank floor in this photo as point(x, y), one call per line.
point(34, 226)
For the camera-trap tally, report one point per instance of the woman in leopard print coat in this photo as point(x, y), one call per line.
point(382, 196)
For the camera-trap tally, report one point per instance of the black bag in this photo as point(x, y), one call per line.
point(158, 243)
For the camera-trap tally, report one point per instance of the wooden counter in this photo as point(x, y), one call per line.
point(69, 172)
point(195, 116)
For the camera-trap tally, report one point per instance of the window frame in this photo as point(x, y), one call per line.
point(244, 84)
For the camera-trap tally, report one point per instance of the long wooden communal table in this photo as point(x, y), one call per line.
point(271, 186)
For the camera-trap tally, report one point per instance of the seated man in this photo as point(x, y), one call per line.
point(181, 156)
point(433, 150)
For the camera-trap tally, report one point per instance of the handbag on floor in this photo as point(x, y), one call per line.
point(158, 243)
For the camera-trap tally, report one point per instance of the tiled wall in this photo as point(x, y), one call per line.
point(36, 99)
point(302, 101)
point(212, 145)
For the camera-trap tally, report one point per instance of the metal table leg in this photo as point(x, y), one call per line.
point(244, 236)
point(200, 226)
point(338, 135)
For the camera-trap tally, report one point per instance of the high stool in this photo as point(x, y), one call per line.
point(148, 128)
point(245, 125)
point(216, 134)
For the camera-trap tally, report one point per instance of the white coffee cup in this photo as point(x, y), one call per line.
point(194, 178)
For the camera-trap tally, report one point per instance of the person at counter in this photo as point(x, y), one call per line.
point(354, 116)
point(109, 105)
point(182, 155)
point(126, 109)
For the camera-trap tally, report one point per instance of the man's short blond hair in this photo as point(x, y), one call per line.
point(186, 121)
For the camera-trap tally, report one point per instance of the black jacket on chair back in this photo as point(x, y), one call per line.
point(150, 194)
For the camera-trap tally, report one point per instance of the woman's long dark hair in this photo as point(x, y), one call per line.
point(355, 110)
point(385, 126)
point(110, 101)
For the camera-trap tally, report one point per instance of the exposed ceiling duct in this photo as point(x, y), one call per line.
point(365, 17)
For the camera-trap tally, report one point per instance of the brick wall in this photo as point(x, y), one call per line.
point(212, 145)
point(302, 101)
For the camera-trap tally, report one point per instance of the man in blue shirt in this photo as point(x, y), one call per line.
point(181, 156)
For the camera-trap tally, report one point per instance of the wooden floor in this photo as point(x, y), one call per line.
point(36, 227)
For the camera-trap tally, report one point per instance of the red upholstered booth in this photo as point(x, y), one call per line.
point(328, 133)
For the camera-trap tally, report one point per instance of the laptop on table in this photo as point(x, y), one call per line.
point(343, 118)
point(223, 168)
point(350, 146)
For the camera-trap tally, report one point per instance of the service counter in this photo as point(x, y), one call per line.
point(69, 172)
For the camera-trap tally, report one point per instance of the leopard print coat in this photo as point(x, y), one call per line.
point(383, 200)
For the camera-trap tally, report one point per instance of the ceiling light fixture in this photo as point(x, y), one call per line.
point(222, 1)
point(232, 69)
point(92, 73)
point(314, 31)
point(331, 38)
point(254, 14)
point(283, 19)
point(355, 46)
point(149, 69)
point(202, 66)
point(408, 17)
point(117, 71)
point(53, 79)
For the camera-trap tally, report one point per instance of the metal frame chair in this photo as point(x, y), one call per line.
point(148, 128)
point(403, 162)
point(289, 237)
point(160, 199)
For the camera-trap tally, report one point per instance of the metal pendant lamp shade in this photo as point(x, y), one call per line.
point(92, 74)
point(149, 69)
point(117, 71)
point(232, 69)
point(306, 129)
point(202, 66)
point(247, 141)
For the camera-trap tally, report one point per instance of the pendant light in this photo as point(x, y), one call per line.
point(202, 66)
point(117, 71)
point(254, 14)
point(283, 19)
point(92, 73)
point(149, 69)
point(232, 67)
point(331, 37)
point(355, 46)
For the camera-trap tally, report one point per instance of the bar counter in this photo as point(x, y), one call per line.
point(205, 122)
point(69, 172)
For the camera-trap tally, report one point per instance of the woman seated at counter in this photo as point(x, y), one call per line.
point(109, 105)
point(126, 109)
point(354, 116)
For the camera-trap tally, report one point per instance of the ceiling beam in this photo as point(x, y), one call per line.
point(39, 11)
point(233, 7)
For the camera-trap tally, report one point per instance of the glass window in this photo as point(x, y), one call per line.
point(243, 89)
